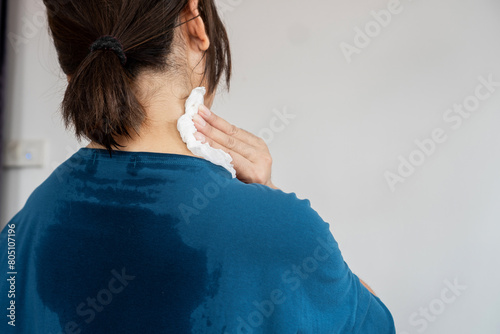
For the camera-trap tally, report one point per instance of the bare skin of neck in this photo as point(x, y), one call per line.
point(159, 134)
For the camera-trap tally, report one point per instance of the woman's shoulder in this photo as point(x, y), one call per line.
point(281, 205)
point(272, 218)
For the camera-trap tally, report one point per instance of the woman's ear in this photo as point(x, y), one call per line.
point(197, 38)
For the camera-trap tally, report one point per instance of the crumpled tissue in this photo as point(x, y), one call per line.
point(186, 128)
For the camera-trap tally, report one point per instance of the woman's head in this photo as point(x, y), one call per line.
point(102, 100)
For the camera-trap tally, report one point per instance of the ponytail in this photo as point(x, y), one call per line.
point(99, 101)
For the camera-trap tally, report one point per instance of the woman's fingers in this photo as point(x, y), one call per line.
point(251, 157)
point(229, 129)
point(229, 141)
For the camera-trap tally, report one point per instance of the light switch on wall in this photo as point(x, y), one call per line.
point(25, 153)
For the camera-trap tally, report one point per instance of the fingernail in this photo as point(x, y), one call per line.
point(197, 118)
point(204, 110)
point(199, 137)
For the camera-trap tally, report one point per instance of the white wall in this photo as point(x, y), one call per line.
point(352, 122)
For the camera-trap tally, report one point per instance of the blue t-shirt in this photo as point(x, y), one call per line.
point(165, 243)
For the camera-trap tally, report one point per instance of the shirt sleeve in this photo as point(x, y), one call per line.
point(332, 297)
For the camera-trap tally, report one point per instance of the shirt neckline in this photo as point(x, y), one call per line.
point(168, 158)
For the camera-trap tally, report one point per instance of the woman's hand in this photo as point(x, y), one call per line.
point(251, 158)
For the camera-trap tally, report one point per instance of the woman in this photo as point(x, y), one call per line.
point(135, 234)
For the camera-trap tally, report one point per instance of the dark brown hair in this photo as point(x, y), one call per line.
point(99, 101)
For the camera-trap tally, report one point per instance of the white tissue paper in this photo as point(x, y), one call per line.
point(186, 127)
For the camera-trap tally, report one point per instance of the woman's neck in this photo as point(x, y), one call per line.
point(162, 140)
point(163, 108)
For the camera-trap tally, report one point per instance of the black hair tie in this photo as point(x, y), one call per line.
point(110, 43)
